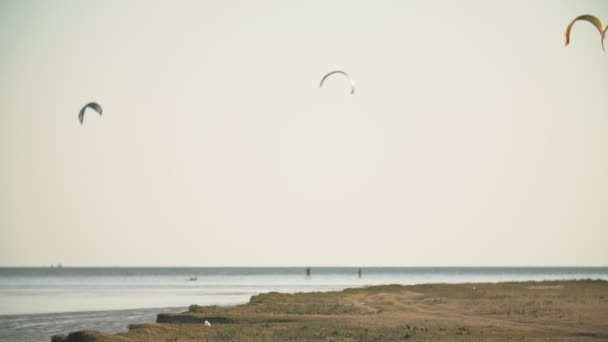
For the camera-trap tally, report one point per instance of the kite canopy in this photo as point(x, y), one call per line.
point(594, 21)
point(352, 83)
point(93, 105)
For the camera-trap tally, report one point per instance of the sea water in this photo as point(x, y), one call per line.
point(36, 303)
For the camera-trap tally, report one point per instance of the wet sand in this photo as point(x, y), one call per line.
point(528, 311)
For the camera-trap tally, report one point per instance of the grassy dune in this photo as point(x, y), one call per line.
point(528, 311)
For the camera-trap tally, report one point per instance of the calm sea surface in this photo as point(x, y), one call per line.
point(36, 303)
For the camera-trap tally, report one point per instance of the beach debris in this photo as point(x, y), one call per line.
point(352, 83)
point(594, 21)
point(462, 331)
point(206, 323)
point(93, 105)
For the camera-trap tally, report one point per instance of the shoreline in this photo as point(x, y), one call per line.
point(331, 288)
point(535, 310)
point(42, 326)
point(85, 312)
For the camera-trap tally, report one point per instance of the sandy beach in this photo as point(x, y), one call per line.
point(528, 311)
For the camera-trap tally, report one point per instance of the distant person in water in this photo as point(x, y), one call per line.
point(307, 272)
point(360, 272)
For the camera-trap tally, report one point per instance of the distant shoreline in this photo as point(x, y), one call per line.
point(62, 290)
point(296, 267)
point(51, 313)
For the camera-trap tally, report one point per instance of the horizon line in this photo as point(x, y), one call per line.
point(304, 266)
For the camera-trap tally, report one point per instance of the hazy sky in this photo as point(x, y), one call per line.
point(474, 136)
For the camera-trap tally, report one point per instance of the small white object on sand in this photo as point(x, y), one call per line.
point(206, 323)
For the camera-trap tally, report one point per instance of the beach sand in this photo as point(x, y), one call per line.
point(523, 311)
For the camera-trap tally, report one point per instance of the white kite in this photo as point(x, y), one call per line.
point(352, 83)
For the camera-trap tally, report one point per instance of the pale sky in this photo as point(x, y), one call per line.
point(474, 138)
